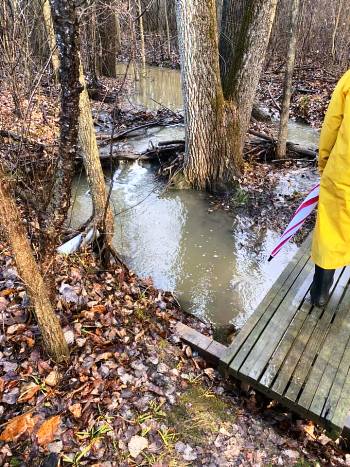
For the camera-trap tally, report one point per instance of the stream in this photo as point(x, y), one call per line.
point(215, 264)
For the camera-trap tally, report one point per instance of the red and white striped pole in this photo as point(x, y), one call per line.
point(298, 219)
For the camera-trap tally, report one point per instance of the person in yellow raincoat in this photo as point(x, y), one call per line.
point(331, 240)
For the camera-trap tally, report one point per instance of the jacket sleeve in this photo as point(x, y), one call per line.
point(332, 122)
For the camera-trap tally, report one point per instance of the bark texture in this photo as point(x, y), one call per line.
point(67, 37)
point(55, 59)
point(211, 162)
point(52, 335)
point(288, 78)
point(246, 29)
point(103, 217)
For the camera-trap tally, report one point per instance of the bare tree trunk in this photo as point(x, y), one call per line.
point(211, 161)
point(109, 36)
point(103, 217)
point(55, 59)
point(288, 79)
point(167, 28)
point(243, 62)
point(142, 37)
point(215, 127)
point(334, 35)
point(133, 42)
point(67, 36)
point(52, 335)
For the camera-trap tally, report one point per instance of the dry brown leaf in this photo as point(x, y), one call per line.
point(7, 292)
point(75, 410)
point(28, 391)
point(98, 309)
point(17, 426)
point(2, 385)
point(309, 429)
point(47, 430)
point(52, 378)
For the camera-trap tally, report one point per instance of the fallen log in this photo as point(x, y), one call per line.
point(305, 151)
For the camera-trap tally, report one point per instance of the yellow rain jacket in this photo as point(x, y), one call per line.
point(331, 240)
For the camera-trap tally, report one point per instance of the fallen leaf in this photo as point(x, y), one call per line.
point(28, 391)
point(52, 378)
point(136, 445)
point(17, 426)
point(47, 430)
point(7, 292)
point(98, 309)
point(75, 410)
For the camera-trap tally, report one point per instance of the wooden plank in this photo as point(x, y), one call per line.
point(341, 385)
point(317, 336)
point(283, 348)
point(211, 350)
point(297, 348)
point(267, 342)
point(280, 288)
point(325, 354)
point(333, 348)
point(264, 324)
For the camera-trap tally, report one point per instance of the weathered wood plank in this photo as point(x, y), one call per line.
point(317, 336)
point(340, 385)
point(211, 350)
point(297, 348)
point(333, 349)
point(280, 288)
point(283, 348)
point(267, 342)
point(333, 342)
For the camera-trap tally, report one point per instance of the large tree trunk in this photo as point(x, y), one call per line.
point(211, 162)
point(52, 335)
point(288, 78)
point(246, 28)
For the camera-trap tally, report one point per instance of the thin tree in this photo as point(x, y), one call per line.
point(109, 36)
point(288, 80)
point(51, 332)
point(102, 213)
point(217, 116)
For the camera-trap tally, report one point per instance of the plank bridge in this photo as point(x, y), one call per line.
point(291, 351)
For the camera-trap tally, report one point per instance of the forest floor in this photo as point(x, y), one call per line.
point(132, 393)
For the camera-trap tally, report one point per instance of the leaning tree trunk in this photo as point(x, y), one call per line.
point(211, 162)
point(243, 45)
point(52, 335)
point(102, 213)
point(288, 78)
point(103, 217)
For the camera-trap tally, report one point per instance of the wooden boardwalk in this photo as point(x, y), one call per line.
point(297, 353)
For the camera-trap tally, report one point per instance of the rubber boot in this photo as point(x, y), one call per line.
point(320, 287)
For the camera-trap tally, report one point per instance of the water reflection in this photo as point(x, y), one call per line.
point(215, 265)
point(157, 86)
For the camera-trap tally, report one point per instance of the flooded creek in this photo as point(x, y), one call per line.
point(215, 264)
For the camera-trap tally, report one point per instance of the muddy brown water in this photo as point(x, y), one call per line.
point(215, 264)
